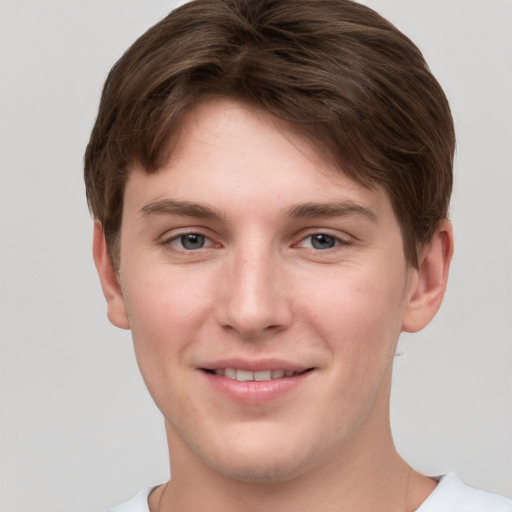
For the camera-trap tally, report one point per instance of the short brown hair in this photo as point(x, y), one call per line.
point(349, 80)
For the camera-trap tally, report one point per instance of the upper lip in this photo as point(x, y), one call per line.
point(255, 365)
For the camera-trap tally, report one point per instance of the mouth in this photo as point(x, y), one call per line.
point(257, 376)
point(255, 383)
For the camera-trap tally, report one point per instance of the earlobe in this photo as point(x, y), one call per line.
point(116, 310)
point(432, 276)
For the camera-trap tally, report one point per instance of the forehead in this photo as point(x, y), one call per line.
point(236, 129)
point(228, 152)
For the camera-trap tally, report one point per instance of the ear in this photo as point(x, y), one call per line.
point(431, 279)
point(116, 310)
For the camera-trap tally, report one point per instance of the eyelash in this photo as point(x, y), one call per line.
point(169, 242)
point(338, 241)
point(207, 242)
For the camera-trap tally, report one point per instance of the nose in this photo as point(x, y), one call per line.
point(255, 299)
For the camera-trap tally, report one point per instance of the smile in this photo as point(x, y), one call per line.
point(246, 375)
point(256, 383)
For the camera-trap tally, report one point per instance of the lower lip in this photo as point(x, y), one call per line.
point(255, 392)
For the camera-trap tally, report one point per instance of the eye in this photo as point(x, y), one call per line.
point(322, 241)
point(191, 241)
point(188, 242)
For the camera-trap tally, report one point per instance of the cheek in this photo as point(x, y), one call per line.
point(160, 302)
point(162, 313)
point(158, 321)
point(359, 312)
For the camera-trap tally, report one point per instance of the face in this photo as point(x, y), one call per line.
point(266, 292)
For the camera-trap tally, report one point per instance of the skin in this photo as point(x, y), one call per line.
point(259, 286)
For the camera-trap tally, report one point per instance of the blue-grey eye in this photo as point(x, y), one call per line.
point(192, 241)
point(322, 241)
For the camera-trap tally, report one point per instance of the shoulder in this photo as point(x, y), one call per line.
point(139, 503)
point(452, 495)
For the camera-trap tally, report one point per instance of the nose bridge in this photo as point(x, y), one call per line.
point(255, 299)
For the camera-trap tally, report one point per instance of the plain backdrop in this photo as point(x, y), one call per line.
point(78, 429)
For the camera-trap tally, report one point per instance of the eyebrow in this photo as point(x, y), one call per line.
point(299, 211)
point(180, 208)
point(336, 209)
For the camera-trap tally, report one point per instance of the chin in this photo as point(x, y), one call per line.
point(260, 462)
point(260, 472)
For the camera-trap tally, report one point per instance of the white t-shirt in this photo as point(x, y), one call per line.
point(451, 495)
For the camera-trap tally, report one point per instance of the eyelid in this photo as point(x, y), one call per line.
point(176, 234)
point(341, 239)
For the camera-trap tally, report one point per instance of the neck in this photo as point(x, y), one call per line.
point(375, 478)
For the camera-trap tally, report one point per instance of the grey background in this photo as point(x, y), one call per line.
point(78, 430)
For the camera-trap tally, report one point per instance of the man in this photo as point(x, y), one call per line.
point(270, 183)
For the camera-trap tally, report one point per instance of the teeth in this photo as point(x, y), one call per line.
point(266, 375)
point(230, 373)
point(245, 375)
